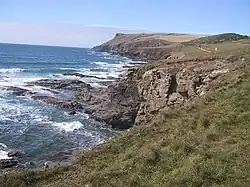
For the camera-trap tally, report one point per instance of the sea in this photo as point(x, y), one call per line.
point(41, 132)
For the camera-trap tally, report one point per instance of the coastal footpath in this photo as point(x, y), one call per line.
point(187, 110)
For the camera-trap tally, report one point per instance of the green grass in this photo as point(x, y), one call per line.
point(206, 144)
point(215, 39)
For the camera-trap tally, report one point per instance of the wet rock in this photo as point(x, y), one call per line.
point(13, 152)
point(60, 84)
point(8, 163)
point(82, 75)
point(68, 104)
point(73, 112)
point(18, 91)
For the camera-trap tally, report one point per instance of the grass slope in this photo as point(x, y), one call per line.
point(207, 144)
point(217, 39)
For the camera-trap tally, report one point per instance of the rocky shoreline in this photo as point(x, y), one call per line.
point(145, 90)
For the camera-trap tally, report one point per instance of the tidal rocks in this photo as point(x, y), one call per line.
point(8, 163)
point(82, 75)
point(59, 84)
point(13, 152)
point(19, 91)
point(68, 104)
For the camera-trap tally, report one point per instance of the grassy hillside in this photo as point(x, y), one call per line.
point(207, 144)
point(217, 39)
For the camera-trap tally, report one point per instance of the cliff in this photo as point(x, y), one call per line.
point(180, 74)
point(145, 47)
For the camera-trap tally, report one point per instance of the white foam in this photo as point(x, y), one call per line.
point(11, 111)
point(3, 145)
point(103, 74)
point(100, 63)
point(68, 126)
point(68, 69)
point(4, 155)
point(10, 70)
point(17, 81)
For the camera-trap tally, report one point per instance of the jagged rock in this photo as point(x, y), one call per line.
point(171, 86)
point(116, 105)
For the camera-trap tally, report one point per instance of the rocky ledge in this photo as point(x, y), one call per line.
point(115, 105)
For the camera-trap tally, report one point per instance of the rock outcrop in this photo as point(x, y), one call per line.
point(172, 86)
point(59, 84)
point(117, 105)
point(18, 91)
point(68, 104)
point(8, 163)
point(82, 75)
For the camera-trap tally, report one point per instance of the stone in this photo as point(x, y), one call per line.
point(8, 163)
point(68, 104)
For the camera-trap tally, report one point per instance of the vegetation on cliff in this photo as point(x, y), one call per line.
point(207, 143)
point(217, 39)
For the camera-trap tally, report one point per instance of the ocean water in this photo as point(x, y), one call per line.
point(40, 131)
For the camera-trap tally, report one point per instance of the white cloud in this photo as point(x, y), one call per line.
point(59, 34)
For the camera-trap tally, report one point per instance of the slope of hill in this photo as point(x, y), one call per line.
point(206, 142)
point(139, 46)
point(217, 39)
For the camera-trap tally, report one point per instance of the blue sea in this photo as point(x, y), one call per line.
point(40, 131)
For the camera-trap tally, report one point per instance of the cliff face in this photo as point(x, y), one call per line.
point(146, 47)
point(169, 87)
point(178, 72)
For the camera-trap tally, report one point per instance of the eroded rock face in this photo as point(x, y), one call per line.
point(171, 86)
point(117, 105)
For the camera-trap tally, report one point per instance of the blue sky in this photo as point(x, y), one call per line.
point(181, 16)
point(199, 16)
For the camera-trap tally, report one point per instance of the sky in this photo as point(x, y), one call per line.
point(89, 22)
